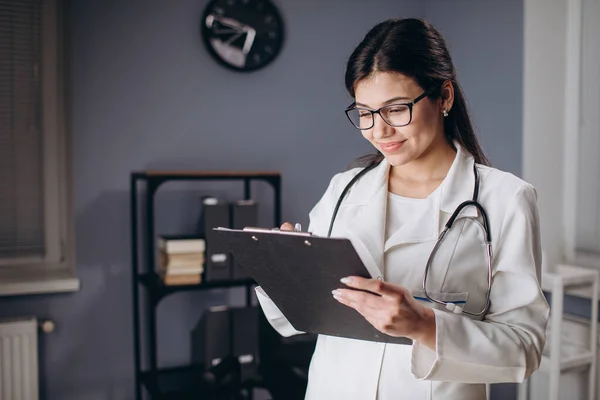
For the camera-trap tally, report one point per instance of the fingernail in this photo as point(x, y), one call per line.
point(346, 280)
point(336, 292)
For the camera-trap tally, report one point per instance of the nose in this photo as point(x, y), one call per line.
point(380, 128)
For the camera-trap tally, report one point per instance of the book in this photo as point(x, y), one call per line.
point(191, 279)
point(181, 244)
point(181, 271)
point(180, 260)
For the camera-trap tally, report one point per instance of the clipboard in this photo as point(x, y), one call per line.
point(298, 271)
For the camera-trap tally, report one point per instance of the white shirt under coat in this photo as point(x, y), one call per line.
point(505, 346)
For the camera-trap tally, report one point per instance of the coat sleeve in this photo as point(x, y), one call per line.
point(318, 217)
point(507, 345)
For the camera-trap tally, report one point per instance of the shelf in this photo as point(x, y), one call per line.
point(185, 382)
point(182, 382)
point(172, 381)
point(205, 174)
point(153, 282)
point(569, 275)
point(572, 356)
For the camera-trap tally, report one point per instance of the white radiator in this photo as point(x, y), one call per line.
point(19, 359)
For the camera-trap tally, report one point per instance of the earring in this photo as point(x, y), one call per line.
point(445, 112)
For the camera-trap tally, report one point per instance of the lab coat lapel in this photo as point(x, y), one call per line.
point(459, 184)
point(362, 217)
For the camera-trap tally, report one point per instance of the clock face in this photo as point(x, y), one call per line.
point(243, 35)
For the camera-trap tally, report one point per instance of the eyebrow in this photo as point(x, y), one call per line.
point(394, 99)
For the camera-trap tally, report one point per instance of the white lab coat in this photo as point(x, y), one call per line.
point(506, 346)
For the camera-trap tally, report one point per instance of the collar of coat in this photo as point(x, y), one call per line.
point(455, 189)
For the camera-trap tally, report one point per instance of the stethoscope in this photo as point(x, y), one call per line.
point(452, 307)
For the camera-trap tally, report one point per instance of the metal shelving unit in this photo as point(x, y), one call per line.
point(179, 382)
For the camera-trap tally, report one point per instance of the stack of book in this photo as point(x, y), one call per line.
point(181, 259)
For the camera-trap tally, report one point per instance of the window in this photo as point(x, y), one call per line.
point(587, 227)
point(36, 252)
point(581, 180)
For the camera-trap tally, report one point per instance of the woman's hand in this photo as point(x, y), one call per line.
point(391, 309)
point(286, 226)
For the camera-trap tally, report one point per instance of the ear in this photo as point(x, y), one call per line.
point(447, 96)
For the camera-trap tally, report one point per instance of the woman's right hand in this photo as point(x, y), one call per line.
point(286, 226)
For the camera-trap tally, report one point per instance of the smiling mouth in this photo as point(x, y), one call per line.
point(392, 146)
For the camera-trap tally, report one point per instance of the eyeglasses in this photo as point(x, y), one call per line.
point(396, 115)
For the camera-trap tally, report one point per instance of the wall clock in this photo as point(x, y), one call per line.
point(243, 35)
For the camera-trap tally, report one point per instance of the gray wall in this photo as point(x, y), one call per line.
point(146, 95)
point(485, 39)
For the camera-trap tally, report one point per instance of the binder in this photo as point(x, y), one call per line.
point(225, 333)
point(243, 213)
point(211, 337)
point(217, 260)
point(298, 271)
point(245, 340)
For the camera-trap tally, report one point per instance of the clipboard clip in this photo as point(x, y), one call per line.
point(276, 231)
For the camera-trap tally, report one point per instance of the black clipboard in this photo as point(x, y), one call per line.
point(298, 271)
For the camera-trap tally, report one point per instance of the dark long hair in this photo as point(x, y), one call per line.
point(414, 48)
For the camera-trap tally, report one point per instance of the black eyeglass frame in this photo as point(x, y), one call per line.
point(409, 104)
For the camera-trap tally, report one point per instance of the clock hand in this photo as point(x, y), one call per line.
point(232, 25)
point(222, 31)
point(251, 34)
point(234, 37)
point(228, 22)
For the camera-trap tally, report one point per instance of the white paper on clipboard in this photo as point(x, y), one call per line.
point(265, 230)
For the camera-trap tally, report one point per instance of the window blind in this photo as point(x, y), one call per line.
point(21, 140)
point(587, 230)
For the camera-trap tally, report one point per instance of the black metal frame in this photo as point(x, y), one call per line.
point(149, 279)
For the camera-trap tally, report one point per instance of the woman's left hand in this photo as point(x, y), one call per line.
point(391, 309)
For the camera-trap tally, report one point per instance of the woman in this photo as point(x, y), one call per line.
point(409, 105)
